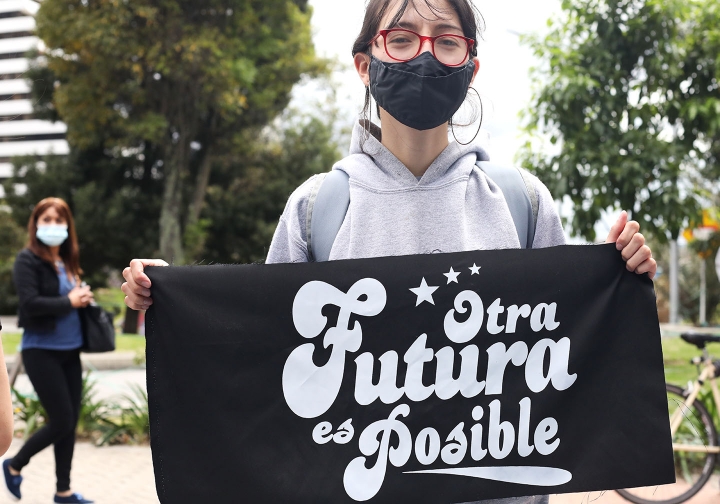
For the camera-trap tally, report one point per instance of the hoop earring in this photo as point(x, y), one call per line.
point(368, 110)
point(365, 119)
point(482, 113)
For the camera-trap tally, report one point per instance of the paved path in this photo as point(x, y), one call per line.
point(124, 475)
point(710, 494)
point(108, 475)
point(108, 385)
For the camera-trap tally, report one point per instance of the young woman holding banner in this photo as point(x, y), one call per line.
point(412, 191)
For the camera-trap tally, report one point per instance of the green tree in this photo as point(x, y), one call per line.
point(690, 287)
point(12, 238)
point(689, 282)
point(247, 193)
point(116, 199)
point(173, 81)
point(627, 94)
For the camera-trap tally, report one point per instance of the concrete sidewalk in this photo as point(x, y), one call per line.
point(95, 362)
point(710, 494)
point(124, 475)
point(107, 475)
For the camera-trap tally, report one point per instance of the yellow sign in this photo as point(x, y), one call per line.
point(703, 231)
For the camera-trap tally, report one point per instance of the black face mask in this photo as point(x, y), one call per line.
point(421, 93)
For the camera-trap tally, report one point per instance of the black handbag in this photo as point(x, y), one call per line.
point(97, 328)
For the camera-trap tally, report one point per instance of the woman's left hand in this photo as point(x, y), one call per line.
point(627, 238)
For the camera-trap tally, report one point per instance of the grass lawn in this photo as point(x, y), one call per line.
point(123, 342)
point(110, 299)
point(677, 355)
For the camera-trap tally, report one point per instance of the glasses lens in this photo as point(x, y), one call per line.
point(402, 45)
point(451, 50)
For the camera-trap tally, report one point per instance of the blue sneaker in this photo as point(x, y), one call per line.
point(75, 498)
point(12, 482)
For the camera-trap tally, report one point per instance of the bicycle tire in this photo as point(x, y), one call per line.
point(696, 417)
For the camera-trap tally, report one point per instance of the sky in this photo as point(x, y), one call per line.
point(502, 82)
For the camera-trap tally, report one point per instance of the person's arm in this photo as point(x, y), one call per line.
point(289, 243)
point(548, 229)
point(28, 289)
point(6, 407)
point(286, 245)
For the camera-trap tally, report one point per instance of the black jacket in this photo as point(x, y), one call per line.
point(38, 288)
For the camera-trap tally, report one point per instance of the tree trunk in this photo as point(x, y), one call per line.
point(674, 285)
point(130, 326)
point(171, 246)
point(201, 184)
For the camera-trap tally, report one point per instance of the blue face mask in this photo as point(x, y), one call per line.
point(52, 235)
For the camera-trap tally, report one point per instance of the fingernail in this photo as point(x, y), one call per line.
point(146, 293)
point(618, 246)
point(145, 283)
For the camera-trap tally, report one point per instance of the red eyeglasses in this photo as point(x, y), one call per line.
point(404, 45)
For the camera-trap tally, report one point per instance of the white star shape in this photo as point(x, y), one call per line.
point(452, 276)
point(475, 270)
point(424, 293)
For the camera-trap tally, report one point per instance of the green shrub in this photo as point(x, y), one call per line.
point(28, 410)
point(100, 421)
point(12, 240)
point(93, 413)
point(132, 425)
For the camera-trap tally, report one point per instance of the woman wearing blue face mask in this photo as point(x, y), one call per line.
point(47, 278)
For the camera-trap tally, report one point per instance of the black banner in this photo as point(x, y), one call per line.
point(437, 379)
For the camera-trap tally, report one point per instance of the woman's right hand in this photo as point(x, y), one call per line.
point(137, 284)
point(80, 296)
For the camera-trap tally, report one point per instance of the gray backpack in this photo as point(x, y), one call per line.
point(330, 198)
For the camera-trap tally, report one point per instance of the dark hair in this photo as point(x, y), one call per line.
point(69, 250)
point(471, 21)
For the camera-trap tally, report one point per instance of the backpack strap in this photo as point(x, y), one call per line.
point(327, 206)
point(517, 186)
point(330, 198)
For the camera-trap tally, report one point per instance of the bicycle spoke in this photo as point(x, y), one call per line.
point(695, 449)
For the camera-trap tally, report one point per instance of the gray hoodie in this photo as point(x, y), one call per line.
point(453, 207)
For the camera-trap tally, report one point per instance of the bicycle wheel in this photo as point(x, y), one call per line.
point(692, 468)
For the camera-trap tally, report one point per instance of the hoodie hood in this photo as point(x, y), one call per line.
point(372, 164)
point(453, 207)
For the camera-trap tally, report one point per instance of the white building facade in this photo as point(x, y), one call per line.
point(20, 133)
